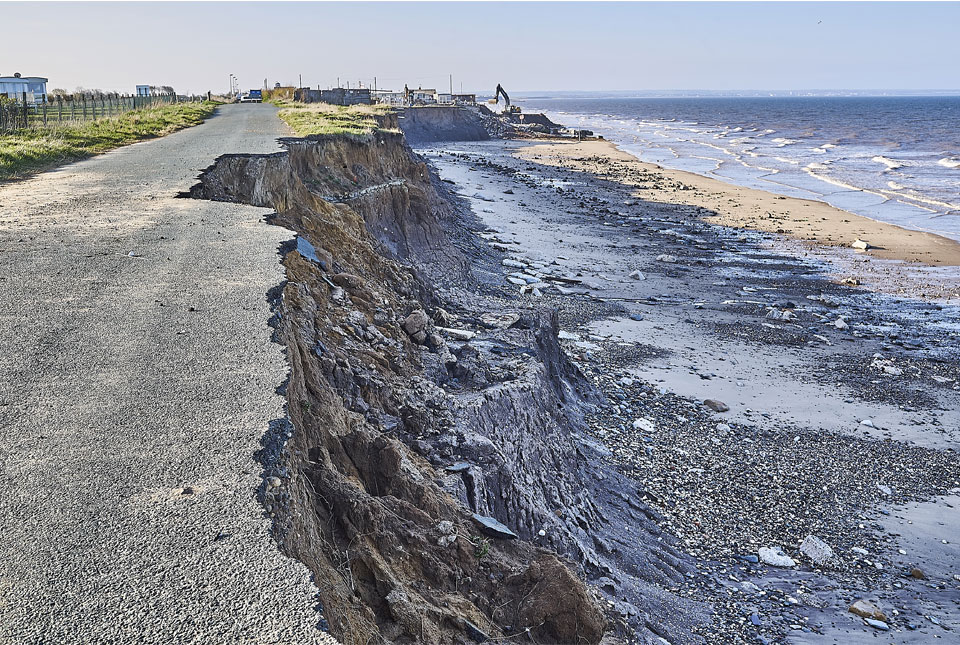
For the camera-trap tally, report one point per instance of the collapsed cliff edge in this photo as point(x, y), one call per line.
point(433, 470)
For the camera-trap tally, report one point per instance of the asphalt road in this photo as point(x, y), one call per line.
point(134, 394)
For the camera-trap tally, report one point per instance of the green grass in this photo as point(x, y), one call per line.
point(307, 119)
point(34, 149)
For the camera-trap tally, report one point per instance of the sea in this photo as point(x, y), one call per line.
point(894, 159)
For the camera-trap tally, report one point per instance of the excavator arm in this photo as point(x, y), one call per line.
point(496, 96)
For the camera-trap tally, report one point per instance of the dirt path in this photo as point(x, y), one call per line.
point(137, 384)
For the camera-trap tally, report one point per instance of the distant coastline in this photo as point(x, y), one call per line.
point(866, 155)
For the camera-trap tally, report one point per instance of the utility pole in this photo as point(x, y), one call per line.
point(301, 81)
point(451, 87)
point(374, 83)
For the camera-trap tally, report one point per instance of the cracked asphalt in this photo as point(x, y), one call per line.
point(137, 381)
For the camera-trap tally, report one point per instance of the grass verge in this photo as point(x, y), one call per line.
point(307, 119)
point(34, 149)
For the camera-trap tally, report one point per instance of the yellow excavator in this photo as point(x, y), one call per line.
point(507, 108)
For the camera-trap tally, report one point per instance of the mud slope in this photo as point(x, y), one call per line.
point(436, 478)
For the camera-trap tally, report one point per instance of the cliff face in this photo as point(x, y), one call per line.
point(419, 421)
point(439, 123)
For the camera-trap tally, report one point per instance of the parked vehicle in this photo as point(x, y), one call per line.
point(253, 96)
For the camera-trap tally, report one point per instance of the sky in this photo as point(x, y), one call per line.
point(538, 46)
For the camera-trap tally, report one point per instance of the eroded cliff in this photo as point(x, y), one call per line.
point(435, 474)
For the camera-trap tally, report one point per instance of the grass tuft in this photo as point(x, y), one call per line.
point(34, 149)
point(307, 119)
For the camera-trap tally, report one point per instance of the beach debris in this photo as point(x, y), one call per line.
point(663, 257)
point(841, 324)
point(644, 425)
point(781, 314)
point(637, 275)
point(775, 557)
point(868, 423)
point(886, 490)
point(877, 624)
point(457, 334)
point(716, 406)
point(817, 550)
point(494, 528)
point(860, 245)
point(501, 321)
point(826, 299)
point(918, 573)
point(476, 634)
point(866, 609)
point(885, 365)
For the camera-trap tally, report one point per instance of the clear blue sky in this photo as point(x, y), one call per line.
point(525, 46)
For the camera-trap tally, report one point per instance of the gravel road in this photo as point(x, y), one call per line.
point(137, 381)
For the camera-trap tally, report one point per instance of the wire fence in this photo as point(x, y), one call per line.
point(21, 113)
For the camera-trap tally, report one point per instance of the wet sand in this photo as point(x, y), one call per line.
point(806, 220)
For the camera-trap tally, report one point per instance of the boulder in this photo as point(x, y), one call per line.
point(644, 425)
point(416, 324)
point(866, 609)
point(774, 556)
point(494, 528)
point(817, 550)
point(348, 281)
point(716, 406)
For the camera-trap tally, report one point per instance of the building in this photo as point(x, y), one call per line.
point(423, 96)
point(468, 99)
point(143, 90)
point(14, 87)
point(387, 97)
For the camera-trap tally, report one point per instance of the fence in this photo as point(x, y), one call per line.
point(19, 114)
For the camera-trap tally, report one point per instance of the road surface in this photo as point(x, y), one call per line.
point(137, 381)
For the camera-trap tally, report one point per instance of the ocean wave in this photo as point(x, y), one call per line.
point(793, 162)
point(915, 199)
point(782, 141)
point(811, 169)
point(949, 162)
point(891, 164)
point(895, 186)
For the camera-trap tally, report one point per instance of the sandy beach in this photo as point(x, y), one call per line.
point(736, 206)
